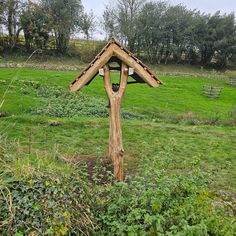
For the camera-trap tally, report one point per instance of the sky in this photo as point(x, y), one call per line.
point(207, 6)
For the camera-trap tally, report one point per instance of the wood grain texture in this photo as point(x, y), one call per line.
point(115, 50)
point(137, 66)
point(116, 150)
point(93, 70)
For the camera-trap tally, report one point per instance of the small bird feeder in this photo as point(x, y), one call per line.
point(128, 65)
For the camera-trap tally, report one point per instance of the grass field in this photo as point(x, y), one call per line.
point(179, 101)
point(173, 126)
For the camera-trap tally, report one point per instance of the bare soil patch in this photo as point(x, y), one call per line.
point(99, 169)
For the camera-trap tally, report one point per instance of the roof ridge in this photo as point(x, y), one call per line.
point(113, 40)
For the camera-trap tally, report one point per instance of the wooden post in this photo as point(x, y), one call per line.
point(116, 150)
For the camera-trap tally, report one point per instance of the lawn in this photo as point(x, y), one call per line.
point(178, 94)
point(214, 145)
point(173, 127)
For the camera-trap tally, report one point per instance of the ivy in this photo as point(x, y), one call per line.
point(45, 205)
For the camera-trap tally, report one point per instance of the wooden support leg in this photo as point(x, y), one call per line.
point(116, 150)
point(115, 144)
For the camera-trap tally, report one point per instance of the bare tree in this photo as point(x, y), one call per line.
point(121, 19)
point(88, 24)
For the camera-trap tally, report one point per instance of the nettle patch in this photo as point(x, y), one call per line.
point(61, 103)
point(156, 202)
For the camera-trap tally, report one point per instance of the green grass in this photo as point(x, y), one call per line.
point(168, 163)
point(178, 94)
point(213, 146)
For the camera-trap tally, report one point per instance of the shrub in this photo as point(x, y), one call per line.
point(157, 203)
point(173, 206)
point(89, 51)
point(45, 205)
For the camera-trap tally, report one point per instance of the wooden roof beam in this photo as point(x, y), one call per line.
point(92, 71)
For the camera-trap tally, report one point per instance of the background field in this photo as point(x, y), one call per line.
point(45, 128)
point(151, 115)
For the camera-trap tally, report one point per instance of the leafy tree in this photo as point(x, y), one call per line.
point(151, 34)
point(109, 22)
point(177, 25)
point(10, 18)
point(223, 31)
point(1, 11)
point(197, 37)
point(165, 31)
point(153, 29)
point(65, 16)
point(127, 15)
point(162, 33)
point(214, 37)
point(36, 26)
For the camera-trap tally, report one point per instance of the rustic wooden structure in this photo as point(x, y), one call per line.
point(128, 65)
point(211, 91)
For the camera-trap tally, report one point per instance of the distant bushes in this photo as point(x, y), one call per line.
point(163, 33)
point(90, 50)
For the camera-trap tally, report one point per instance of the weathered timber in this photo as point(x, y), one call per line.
point(129, 65)
point(116, 150)
point(114, 51)
point(92, 71)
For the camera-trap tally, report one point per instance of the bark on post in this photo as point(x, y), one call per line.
point(116, 150)
point(115, 52)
